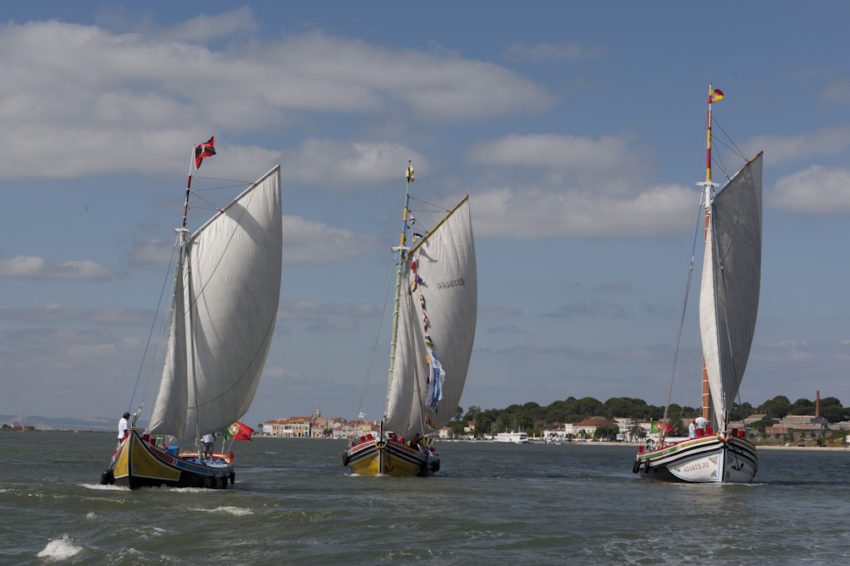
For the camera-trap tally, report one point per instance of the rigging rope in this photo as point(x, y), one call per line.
point(730, 145)
point(150, 333)
point(681, 322)
point(436, 206)
point(375, 345)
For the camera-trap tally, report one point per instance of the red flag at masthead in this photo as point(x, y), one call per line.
point(206, 149)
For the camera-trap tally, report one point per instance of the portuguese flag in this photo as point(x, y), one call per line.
point(239, 431)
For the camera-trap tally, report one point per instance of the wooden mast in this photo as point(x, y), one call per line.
point(706, 395)
point(402, 255)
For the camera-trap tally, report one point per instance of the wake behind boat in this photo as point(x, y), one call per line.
point(729, 296)
point(434, 317)
point(225, 297)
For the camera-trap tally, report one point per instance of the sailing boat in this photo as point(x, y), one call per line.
point(729, 295)
point(436, 307)
point(226, 291)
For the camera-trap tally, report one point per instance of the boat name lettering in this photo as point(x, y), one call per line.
point(695, 466)
point(449, 284)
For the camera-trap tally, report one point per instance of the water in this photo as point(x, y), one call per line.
point(295, 503)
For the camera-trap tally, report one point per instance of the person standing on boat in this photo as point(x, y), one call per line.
point(692, 430)
point(702, 423)
point(209, 441)
point(123, 425)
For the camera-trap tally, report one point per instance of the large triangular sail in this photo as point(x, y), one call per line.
point(731, 278)
point(232, 272)
point(437, 315)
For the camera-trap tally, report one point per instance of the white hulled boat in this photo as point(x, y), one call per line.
point(729, 296)
point(512, 437)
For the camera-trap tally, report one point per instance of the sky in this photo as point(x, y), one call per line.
point(577, 129)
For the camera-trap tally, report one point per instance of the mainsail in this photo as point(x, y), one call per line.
point(438, 309)
point(731, 275)
point(230, 273)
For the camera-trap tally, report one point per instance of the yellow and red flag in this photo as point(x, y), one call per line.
point(714, 95)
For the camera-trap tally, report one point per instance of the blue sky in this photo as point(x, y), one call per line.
point(578, 129)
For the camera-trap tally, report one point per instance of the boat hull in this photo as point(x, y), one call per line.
point(137, 464)
point(389, 458)
point(709, 459)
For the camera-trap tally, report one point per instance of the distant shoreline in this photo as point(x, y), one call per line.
point(532, 441)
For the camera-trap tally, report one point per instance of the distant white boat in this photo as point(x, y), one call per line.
point(513, 437)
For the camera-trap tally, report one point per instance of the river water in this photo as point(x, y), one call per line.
point(294, 503)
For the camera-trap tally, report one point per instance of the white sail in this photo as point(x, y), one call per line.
point(169, 413)
point(447, 294)
point(731, 278)
point(233, 270)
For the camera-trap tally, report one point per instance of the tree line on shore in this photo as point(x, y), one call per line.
point(534, 418)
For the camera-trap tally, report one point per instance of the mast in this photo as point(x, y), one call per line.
point(206, 149)
point(401, 249)
point(708, 187)
point(184, 246)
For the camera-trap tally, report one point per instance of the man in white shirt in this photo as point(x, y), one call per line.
point(209, 441)
point(123, 426)
point(702, 423)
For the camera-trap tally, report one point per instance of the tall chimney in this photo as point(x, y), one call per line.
point(817, 404)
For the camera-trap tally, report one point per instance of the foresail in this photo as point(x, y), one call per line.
point(235, 260)
point(437, 316)
point(729, 293)
point(169, 412)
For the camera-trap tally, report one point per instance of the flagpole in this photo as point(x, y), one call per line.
point(188, 187)
point(199, 152)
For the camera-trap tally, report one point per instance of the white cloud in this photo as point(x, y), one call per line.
point(205, 27)
point(305, 241)
point(836, 92)
point(89, 101)
point(342, 166)
point(312, 311)
point(816, 190)
point(150, 252)
point(32, 267)
point(542, 52)
point(555, 151)
point(582, 187)
point(594, 309)
point(615, 355)
point(533, 213)
point(58, 313)
point(608, 164)
point(777, 149)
